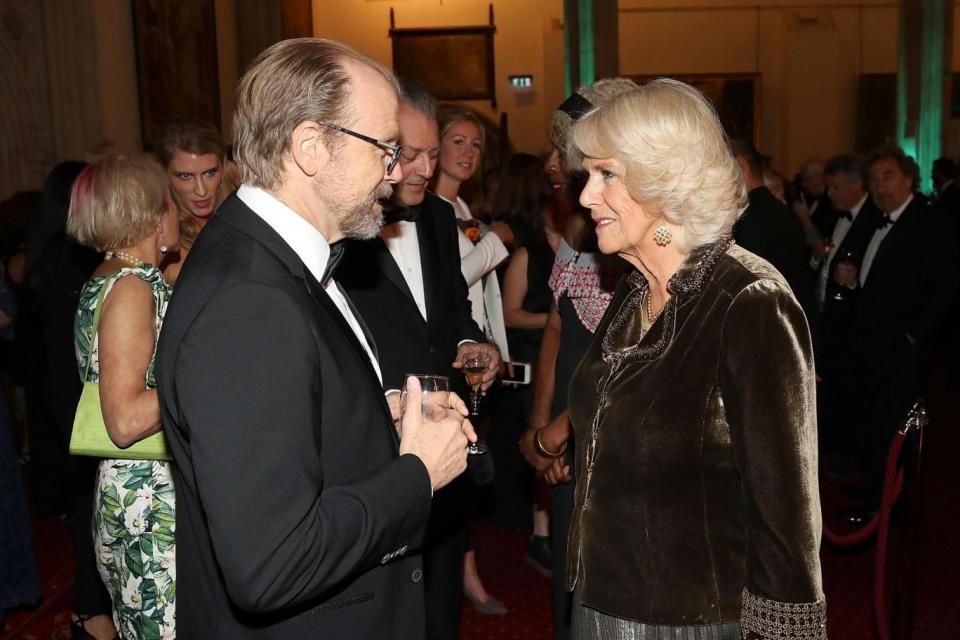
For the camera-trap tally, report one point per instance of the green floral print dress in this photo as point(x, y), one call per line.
point(133, 521)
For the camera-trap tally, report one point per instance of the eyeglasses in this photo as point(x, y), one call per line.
point(391, 148)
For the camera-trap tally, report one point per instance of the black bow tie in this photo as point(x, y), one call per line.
point(336, 255)
point(408, 214)
point(845, 214)
point(884, 221)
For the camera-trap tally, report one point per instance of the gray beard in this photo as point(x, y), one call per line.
point(361, 221)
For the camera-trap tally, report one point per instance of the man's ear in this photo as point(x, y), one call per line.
point(308, 147)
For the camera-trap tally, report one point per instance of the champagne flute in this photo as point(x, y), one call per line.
point(474, 366)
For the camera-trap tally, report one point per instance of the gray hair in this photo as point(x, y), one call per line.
point(414, 95)
point(291, 82)
point(847, 165)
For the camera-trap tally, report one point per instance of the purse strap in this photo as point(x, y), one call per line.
point(96, 320)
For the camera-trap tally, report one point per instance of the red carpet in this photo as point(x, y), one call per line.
point(506, 575)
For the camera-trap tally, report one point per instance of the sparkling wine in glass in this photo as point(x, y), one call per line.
point(474, 366)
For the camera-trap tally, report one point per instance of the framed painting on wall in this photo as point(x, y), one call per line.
point(452, 63)
point(177, 73)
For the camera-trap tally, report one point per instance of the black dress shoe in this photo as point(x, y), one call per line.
point(539, 555)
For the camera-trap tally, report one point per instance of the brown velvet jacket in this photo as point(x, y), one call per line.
point(697, 499)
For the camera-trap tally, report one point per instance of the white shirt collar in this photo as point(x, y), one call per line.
point(305, 240)
point(896, 214)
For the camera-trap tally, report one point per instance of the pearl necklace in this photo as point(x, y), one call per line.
point(649, 308)
point(124, 258)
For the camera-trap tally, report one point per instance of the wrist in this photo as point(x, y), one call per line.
point(538, 422)
point(545, 452)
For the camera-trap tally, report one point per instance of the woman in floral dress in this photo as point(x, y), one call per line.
point(123, 206)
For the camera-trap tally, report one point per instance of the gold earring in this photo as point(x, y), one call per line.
point(662, 235)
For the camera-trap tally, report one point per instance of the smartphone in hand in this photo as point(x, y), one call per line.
point(521, 374)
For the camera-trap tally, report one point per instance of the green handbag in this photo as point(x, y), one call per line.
point(89, 436)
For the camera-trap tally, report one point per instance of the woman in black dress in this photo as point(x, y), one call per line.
point(521, 202)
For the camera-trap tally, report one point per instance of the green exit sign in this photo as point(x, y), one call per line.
point(521, 82)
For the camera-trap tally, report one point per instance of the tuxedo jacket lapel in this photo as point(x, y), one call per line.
point(896, 233)
point(426, 238)
point(330, 309)
point(389, 268)
point(359, 318)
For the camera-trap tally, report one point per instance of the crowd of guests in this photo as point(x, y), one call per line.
point(874, 264)
point(635, 270)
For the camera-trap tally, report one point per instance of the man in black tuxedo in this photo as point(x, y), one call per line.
point(900, 294)
point(769, 229)
point(298, 508)
point(408, 287)
point(849, 198)
point(857, 219)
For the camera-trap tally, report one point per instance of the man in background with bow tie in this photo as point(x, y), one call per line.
point(299, 510)
point(899, 295)
point(857, 218)
point(846, 188)
point(408, 287)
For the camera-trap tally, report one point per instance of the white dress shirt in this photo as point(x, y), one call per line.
point(404, 245)
point(839, 233)
point(877, 240)
point(310, 246)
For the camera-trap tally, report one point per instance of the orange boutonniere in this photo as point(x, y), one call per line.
point(471, 229)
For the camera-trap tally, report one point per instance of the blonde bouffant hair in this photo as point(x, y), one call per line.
point(117, 201)
point(676, 157)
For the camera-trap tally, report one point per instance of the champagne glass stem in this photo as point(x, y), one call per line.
point(475, 401)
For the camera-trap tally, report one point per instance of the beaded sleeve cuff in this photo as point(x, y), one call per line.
point(774, 620)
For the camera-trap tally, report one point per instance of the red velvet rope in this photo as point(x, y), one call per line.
point(892, 485)
point(879, 524)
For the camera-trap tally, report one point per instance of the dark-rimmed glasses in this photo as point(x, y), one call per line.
point(390, 147)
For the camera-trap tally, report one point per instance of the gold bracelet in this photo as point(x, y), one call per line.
point(543, 453)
